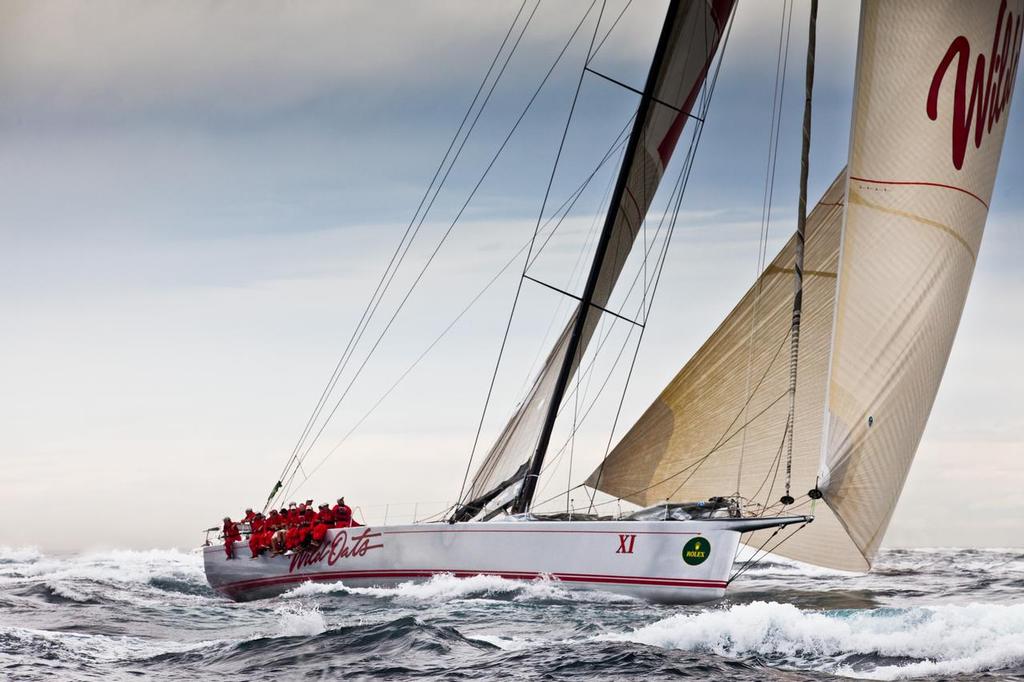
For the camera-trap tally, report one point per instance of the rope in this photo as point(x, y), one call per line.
point(778, 91)
point(744, 568)
point(448, 232)
point(371, 306)
point(526, 264)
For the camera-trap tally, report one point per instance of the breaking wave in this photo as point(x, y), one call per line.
point(887, 644)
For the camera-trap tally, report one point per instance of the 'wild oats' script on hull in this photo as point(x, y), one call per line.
point(990, 95)
point(341, 547)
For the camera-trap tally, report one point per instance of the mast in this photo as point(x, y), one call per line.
point(798, 266)
point(526, 492)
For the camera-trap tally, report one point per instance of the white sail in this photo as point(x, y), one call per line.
point(933, 88)
point(934, 82)
point(693, 38)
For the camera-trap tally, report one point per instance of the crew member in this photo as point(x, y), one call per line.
point(342, 514)
point(249, 515)
point(325, 515)
point(291, 538)
point(231, 535)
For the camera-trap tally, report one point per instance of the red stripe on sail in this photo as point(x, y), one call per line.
point(720, 10)
point(922, 184)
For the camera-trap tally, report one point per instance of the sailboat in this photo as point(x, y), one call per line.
point(792, 429)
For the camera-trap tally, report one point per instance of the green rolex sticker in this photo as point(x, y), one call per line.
point(696, 551)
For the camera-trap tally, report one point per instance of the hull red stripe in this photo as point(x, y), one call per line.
point(245, 585)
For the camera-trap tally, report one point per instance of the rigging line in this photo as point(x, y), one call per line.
point(572, 282)
point(458, 132)
point(659, 269)
point(609, 32)
point(677, 184)
point(702, 459)
point(726, 436)
point(753, 556)
point(572, 440)
point(567, 205)
point(404, 246)
point(526, 264)
point(592, 305)
point(444, 178)
point(555, 497)
point(617, 145)
point(766, 202)
point(451, 227)
point(640, 92)
point(798, 261)
point(772, 548)
point(772, 472)
point(603, 339)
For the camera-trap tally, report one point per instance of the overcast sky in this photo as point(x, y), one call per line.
point(199, 197)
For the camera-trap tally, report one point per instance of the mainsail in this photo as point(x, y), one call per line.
point(933, 85)
point(689, 40)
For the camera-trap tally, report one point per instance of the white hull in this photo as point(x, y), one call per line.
point(638, 558)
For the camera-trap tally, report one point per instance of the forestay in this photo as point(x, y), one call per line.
point(692, 39)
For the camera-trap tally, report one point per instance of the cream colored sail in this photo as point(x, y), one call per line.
point(933, 88)
point(717, 428)
point(934, 81)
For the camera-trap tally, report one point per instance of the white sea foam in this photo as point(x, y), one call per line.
point(19, 555)
point(298, 621)
point(446, 587)
point(943, 639)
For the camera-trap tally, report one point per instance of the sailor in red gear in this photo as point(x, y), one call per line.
point(291, 538)
point(304, 535)
point(318, 534)
point(325, 515)
point(294, 515)
point(255, 544)
point(231, 535)
point(272, 520)
point(257, 524)
point(342, 514)
point(282, 519)
point(249, 515)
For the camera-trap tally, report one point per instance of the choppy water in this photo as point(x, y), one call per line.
point(150, 615)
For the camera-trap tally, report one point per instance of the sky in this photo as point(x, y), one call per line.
point(200, 197)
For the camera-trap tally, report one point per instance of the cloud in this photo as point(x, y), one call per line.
point(255, 57)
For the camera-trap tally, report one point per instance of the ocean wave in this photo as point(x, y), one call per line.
point(921, 640)
point(115, 575)
point(86, 647)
